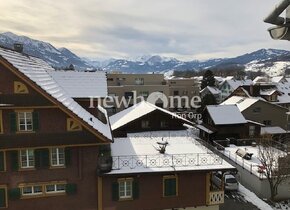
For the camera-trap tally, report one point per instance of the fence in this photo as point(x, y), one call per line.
point(165, 161)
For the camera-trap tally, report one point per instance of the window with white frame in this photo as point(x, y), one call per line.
point(27, 158)
point(125, 188)
point(57, 156)
point(31, 190)
point(25, 122)
point(55, 188)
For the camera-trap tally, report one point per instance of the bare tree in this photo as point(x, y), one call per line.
point(275, 164)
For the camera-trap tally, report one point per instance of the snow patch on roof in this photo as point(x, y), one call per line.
point(82, 84)
point(272, 130)
point(135, 112)
point(241, 102)
point(179, 143)
point(225, 114)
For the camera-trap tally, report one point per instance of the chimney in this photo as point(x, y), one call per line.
point(251, 90)
point(18, 47)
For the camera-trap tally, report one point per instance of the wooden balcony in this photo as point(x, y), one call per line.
point(215, 197)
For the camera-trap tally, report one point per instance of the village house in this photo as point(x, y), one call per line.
point(226, 121)
point(147, 153)
point(214, 91)
point(261, 111)
point(230, 84)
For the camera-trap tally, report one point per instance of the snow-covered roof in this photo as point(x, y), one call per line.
point(82, 84)
point(205, 129)
point(284, 89)
point(267, 92)
point(212, 90)
point(234, 84)
point(225, 114)
point(277, 79)
point(135, 112)
point(183, 153)
point(261, 79)
point(241, 102)
point(37, 71)
point(272, 130)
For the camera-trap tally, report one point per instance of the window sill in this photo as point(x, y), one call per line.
point(26, 169)
point(57, 167)
point(24, 197)
point(126, 199)
point(25, 132)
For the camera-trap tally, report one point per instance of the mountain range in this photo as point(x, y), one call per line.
point(271, 61)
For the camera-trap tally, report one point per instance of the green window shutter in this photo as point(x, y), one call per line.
point(71, 189)
point(3, 203)
point(115, 191)
point(135, 190)
point(2, 161)
point(41, 157)
point(13, 122)
point(14, 194)
point(35, 118)
point(14, 160)
point(67, 152)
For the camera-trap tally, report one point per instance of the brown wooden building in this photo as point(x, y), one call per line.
point(225, 121)
point(145, 116)
point(146, 177)
point(49, 144)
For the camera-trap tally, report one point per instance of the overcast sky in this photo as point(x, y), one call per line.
point(185, 29)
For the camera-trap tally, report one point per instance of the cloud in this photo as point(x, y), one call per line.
point(128, 28)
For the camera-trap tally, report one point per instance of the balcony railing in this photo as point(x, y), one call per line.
point(165, 161)
point(216, 198)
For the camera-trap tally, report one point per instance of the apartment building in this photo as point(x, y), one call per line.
point(124, 85)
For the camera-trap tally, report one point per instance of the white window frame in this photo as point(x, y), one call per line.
point(55, 188)
point(55, 153)
point(32, 190)
point(125, 188)
point(26, 117)
point(26, 158)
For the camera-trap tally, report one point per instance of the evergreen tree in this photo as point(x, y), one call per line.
point(208, 79)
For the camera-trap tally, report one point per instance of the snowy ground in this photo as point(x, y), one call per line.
point(244, 196)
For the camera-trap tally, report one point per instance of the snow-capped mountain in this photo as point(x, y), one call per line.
point(59, 58)
point(271, 61)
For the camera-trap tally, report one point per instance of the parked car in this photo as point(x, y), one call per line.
point(230, 181)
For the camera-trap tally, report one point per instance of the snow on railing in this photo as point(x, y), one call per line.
point(165, 161)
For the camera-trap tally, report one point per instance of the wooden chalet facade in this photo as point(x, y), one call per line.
point(149, 118)
point(226, 121)
point(143, 178)
point(49, 144)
